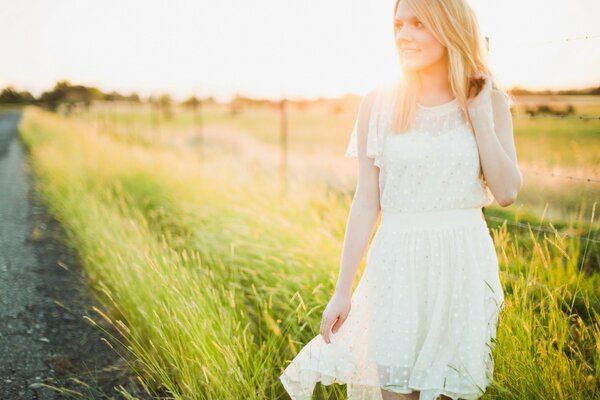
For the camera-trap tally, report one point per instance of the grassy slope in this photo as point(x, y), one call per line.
point(216, 281)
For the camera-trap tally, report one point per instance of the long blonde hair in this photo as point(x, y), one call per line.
point(454, 24)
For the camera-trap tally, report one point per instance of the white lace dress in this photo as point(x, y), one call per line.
point(424, 313)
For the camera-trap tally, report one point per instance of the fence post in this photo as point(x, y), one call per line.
point(197, 123)
point(283, 147)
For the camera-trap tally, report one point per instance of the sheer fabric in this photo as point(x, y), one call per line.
point(424, 313)
point(435, 165)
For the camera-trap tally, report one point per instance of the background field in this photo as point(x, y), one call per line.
point(215, 274)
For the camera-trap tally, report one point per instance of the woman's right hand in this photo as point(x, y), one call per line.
point(335, 314)
point(479, 105)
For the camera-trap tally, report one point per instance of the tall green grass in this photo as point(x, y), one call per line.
point(215, 280)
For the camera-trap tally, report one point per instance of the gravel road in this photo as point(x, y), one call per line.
point(44, 339)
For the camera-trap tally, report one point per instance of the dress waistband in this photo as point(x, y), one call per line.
point(433, 218)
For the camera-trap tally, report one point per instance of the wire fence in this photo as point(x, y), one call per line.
point(539, 229)
point(553, 175)
point(554, 41)
point(527, 115)
point(557, 115)
point(560, 116)
point(552, 115)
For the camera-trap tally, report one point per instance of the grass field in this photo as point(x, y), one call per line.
point(215, 278)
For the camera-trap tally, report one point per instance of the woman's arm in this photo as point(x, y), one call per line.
point(495, 140)
point(365, 208)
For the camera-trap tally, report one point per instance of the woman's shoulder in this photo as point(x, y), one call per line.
point(369, 100)
point(377, 100)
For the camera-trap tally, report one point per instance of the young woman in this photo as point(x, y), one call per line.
point(432, 150)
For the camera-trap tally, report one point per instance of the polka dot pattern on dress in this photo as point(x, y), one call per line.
point(424, 313)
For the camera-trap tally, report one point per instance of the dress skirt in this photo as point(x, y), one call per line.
point(423, 316)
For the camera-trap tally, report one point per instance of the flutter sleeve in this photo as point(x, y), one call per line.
point(374, 133)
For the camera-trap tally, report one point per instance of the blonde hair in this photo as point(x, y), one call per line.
point(454, 24)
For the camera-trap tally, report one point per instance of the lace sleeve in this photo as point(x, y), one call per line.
point(374, 133)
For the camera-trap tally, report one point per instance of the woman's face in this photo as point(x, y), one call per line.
point(417, 46)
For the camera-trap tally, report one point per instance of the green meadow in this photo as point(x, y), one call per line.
point(215, 275)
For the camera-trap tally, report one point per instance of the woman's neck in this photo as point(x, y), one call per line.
point(434, 85)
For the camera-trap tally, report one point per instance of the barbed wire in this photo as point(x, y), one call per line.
point(586, 37)
point(545, 230)
point(533, 44)
point(560, 116)
point(553, 175)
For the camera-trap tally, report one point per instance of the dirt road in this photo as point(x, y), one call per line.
point(44, 339)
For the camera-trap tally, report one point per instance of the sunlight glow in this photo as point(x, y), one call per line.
point(270, 48)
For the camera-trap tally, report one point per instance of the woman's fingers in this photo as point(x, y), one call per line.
point(334, 316)
point(478, 83)
point(338, 324)
point(326, 324)
point(480, 90)
point(325, 330)
point(329, 326)
point(473, 91)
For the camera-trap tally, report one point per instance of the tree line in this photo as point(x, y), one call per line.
point(79, 96)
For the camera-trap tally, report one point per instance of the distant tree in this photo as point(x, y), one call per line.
point(10, 95)
point(114, 96)
point(237, 104)
point(190, 102)
point(134, 98)
point(54, 97)
point(165, 102)
point(336, 108)
point(301, 105)
point(517, 91)
point(154, 110)
point(570, 109)
point(70, 96)
point(531, 111)
point(547, 109)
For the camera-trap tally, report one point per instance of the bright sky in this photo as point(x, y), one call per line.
point(267, 48)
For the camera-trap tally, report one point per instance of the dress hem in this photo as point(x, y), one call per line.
point(330, 379)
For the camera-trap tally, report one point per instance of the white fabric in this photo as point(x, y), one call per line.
point(376, 128)
point(435, 165)
point(424, 313)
